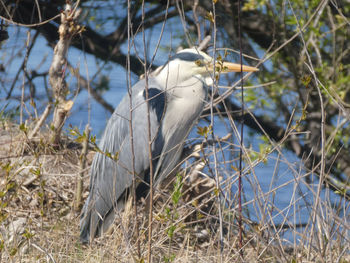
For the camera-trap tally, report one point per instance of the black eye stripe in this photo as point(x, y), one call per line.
point(187, 56)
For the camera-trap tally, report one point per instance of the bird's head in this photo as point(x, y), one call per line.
point(192, 62)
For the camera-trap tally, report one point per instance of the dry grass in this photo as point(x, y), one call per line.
point(39, 224)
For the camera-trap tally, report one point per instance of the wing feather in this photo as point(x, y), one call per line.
point(109, 179)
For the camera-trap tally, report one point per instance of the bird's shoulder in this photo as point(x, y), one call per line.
point(139, 94)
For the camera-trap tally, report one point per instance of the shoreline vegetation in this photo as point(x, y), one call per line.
point(39, 221)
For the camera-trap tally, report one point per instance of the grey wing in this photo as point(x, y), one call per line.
point(173, 146)
point(109, 179)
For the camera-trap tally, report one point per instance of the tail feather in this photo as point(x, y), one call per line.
point(92, 224)
point(85, 219)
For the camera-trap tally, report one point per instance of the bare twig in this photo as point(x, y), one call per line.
point(49, 256)
point(29, 48)
point(217, 178)
point(323, 140)
point(85, 84)
point(80, 176)
point(183, 22)
point(240, 225)
point(129, 88)
point(204, 43)
point(195, 17)
point(40, 122)
point(29, 25)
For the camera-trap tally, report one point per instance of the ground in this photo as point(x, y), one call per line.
point(38, 221)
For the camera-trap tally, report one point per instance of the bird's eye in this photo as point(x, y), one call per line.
point(199, 62)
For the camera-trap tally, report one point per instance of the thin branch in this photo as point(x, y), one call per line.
point(241, 142)
point(217, 178)
point(149, 139)
point(10, 21)
point(129, 88)
point(79, 179)
point(40, 122)
point(49, 256)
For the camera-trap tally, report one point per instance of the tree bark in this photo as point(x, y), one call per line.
point(67, 30)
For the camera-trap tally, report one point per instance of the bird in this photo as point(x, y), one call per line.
point(176, 96)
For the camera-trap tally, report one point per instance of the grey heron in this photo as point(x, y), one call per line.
point(176, 97)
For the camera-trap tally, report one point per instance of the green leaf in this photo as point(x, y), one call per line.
point(210, 17)
point(176, 195)
point(171, 230)
point(27, 234)
point(204, 131)
point(13, 251)
point(23, 127)
point(116, 156)
point(306, 79)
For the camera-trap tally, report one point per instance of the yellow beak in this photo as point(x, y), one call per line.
point(233, 67)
